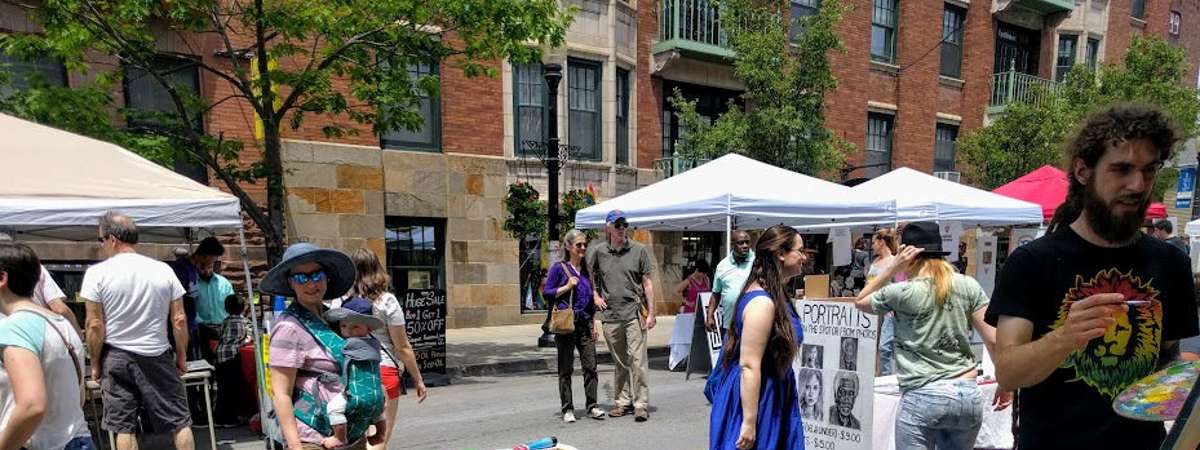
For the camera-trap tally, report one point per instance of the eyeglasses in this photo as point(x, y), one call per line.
point(315, 276)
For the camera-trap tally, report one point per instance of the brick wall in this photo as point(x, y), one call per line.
point(649, 90)
point(915, 89)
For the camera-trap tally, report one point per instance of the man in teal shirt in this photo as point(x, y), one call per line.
point(211, 290)
point(728, 280)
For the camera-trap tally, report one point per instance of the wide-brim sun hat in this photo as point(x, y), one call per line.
point(339, 271)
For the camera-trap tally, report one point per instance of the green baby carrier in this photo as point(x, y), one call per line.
point(358, 360)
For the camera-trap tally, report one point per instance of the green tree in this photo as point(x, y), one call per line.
point(786, 82)
point(1030, 135)
point(287, 60)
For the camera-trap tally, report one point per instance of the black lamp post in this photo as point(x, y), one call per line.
point(553, 159)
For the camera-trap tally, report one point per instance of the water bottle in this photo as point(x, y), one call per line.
point(540, 444)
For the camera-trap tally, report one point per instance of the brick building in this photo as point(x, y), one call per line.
point(430, 201)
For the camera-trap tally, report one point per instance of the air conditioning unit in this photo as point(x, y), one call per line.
point(950, 176)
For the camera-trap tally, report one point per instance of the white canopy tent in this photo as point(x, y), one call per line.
point(734, 188)
point(58, 185)
point(920, 196)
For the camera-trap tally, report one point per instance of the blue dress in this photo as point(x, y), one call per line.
point(779, 425)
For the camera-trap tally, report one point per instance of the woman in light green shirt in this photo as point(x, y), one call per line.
point(935, 311)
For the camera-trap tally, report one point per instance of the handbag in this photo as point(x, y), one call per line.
point(562, 320)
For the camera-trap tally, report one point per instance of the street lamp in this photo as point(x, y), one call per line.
point(554, 155)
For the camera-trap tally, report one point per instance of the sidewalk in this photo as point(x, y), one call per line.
point(513, 349)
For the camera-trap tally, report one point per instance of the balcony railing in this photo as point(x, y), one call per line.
point(692, 25)
point(669, 167)
point(1016, 87)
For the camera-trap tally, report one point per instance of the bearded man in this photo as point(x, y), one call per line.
point(1094, 305)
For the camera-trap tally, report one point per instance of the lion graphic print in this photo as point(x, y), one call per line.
point(1129, 348)
point(1071, 407)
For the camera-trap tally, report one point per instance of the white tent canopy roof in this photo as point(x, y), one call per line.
point(921, 196)
point(58, 184)
point(755, 194)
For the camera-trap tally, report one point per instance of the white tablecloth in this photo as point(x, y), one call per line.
point(681, 339)
point(996, 432)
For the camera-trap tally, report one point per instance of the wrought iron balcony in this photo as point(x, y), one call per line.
point(693, 27)
point(669, 167)
point(1016, 87)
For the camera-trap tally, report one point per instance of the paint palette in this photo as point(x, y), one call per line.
point(1159, 396)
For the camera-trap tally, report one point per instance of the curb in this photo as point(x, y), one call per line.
point(534, 364)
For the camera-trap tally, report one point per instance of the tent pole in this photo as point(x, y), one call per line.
point(728, 233)
point(258, 350)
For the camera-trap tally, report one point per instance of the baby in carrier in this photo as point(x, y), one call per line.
point(362, 396)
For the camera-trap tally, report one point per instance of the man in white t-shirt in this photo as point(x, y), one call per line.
point(130, 299)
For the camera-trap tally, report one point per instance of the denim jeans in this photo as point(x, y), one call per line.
point(81, 443)
point(887, 332)
point(944, 414)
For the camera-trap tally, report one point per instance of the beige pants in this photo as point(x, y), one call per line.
point(627, 344)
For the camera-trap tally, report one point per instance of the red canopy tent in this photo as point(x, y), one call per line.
point(1047, 186)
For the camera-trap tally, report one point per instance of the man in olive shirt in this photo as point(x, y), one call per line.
point(620, 271)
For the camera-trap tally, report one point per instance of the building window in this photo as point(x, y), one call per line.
point(416, 252)
point(710, 104)
point(883, 31)
point(583, 104)
point(1138, 10)
point(151, 106)
point(800, 10)
point(429, 135)
point(24, 72)
point(1066, 56)
point(1174, 21)
point(943, 153)
point(878, 159)
point(622, 116)
point(149, 99)
point(530, 100)
point(953, 18)
point(1092, 53)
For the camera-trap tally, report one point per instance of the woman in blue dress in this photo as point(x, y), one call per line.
point(753, 390)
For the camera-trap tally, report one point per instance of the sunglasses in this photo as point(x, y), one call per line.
point(315, 276)
point(581, 245)
point(746, 242)
point(621, 225)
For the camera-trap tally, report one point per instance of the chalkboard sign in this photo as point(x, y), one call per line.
point(425, 322)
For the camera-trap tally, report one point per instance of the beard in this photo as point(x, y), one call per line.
point(1109, 225)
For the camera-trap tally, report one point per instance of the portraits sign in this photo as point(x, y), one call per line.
point(835, 375)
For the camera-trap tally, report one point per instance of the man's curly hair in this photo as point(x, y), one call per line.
point(1107, 128)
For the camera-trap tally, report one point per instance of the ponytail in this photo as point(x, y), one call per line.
point(1069, 210)
point(942, 274)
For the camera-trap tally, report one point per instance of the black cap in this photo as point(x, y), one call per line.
point(923, 235)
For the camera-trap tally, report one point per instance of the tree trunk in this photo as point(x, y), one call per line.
point(275, 196)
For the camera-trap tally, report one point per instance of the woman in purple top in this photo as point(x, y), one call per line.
point(568, 284)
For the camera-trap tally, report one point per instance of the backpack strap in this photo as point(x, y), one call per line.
point(307, 406)
point(70, 350)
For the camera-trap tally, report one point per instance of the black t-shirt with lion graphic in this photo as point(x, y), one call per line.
point(1072, 409)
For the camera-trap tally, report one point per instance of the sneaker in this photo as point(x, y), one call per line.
point(619, 411)
point(569, 417)
point(641, 415)
point(596, 413)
